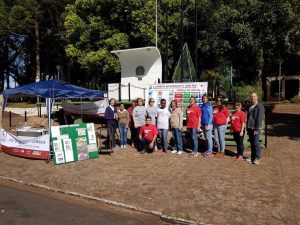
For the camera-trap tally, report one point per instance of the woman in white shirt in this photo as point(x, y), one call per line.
point(163, 116)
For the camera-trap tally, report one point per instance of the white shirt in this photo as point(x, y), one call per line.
point(251, 107)
point(163, 116)
point(112, 107)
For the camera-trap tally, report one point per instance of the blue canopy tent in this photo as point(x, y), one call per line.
point(54, 89)
point(50, 90)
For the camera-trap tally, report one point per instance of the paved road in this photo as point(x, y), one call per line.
point(24, 205)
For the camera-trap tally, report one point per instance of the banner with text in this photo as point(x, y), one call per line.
point(38, 148)
point(181, 92)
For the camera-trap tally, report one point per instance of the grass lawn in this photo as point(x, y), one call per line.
point(20, 105)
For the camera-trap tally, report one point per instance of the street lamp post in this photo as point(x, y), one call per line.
point(279, 80)
point(156, 24)
point(196, 38)
point(58, 70)
point(231, 83)
point(181, 37)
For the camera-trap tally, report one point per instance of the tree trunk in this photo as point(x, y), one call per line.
point(260, 66)
point(37, 52)
point(3, 64)
point(6, 64)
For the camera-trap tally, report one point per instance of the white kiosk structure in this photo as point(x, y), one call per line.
point(139, 68)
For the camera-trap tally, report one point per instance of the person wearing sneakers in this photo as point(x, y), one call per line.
point(163, 116)
point(193, 123)
point(207, 124)
point(237, 127)
point(255, 117)
point(176, 124)
point(147, 136)
point(220, 116)
point(123, 121)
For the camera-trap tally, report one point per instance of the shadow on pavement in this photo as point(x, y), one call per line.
point(284, 124)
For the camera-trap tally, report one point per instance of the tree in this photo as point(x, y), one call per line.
point(91, 38)
point(185, 70)
point(245, 33)
point(32, 34)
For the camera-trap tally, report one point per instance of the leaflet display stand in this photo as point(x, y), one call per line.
point(74, 142)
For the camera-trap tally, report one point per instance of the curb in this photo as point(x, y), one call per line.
point(167, 218)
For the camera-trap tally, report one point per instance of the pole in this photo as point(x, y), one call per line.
point(156, 24)
point(196, 38)
point(266, 131)
point(1, 109)
point(9, 118)
point(166, 77)
point(231, 74)
point(120, 89)
point(129, 91)
point(181, 25)
point(279, 82)
point(231, 83)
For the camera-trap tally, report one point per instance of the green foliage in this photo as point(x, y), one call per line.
point(3, 19)
point(91, 38)
point(79, 35)
point(247, 34)
point(243, 92)
point(185, 67)
point(31, 27)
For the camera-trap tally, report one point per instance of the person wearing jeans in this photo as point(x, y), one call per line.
point(254, 122)
point(163, 140)
point(219, 131)
point(123, 135)
point(207, 124)
point(176, 124)
point(123, 121)
point(220, 116)
point(193, 121)
point(163, 115)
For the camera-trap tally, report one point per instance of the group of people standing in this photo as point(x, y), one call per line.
point(149, 126)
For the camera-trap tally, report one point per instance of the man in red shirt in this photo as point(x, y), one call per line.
point(147, 136)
